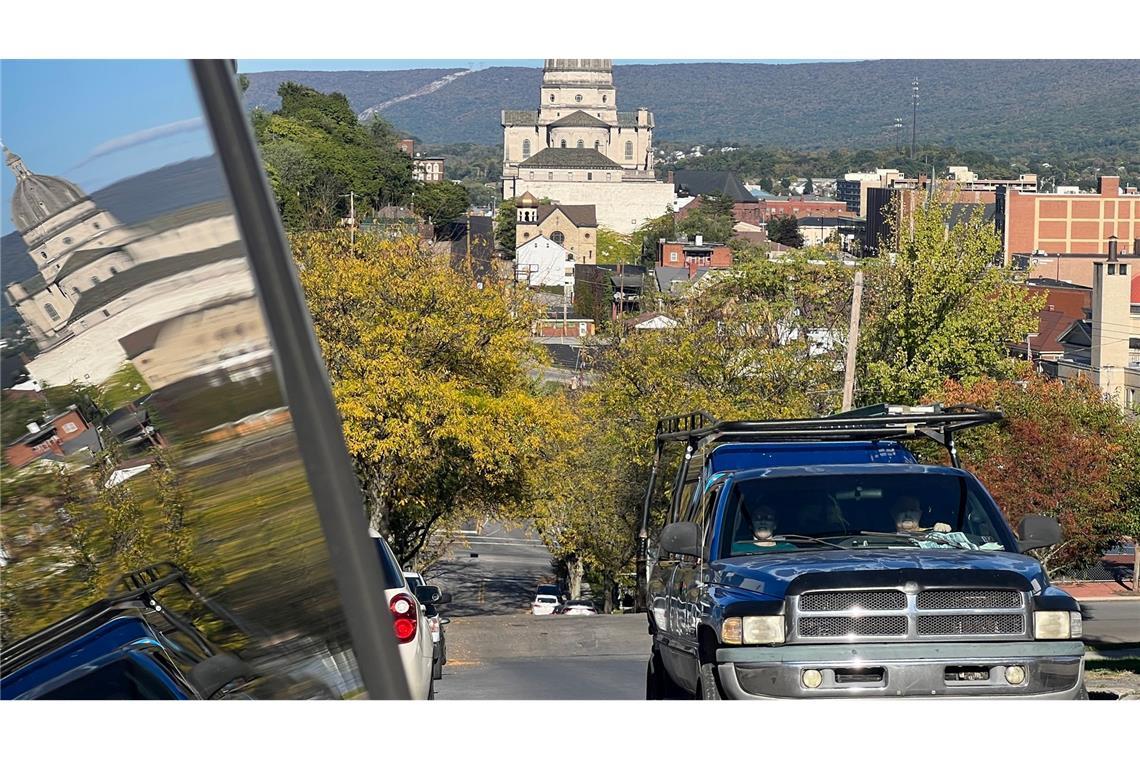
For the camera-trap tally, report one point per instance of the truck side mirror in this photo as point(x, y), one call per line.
point(1037, 531)
point(428, 594)
point(682, 538)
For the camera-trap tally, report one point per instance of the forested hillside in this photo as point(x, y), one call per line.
point(1016, 108)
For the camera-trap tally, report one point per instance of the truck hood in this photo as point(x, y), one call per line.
point(772, 574)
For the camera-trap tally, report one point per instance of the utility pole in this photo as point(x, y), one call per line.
point(852, 342)
point(351, 219)
point(914, 117)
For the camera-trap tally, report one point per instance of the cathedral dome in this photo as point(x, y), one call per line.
point(38, 198)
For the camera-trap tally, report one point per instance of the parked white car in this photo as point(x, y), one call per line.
point(436, 623)
point(579, 607)
point(544, 604)
point(413, 633)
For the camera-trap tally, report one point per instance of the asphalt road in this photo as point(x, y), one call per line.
point(1113, 622)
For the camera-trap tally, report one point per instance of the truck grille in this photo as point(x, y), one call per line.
point(970, 625)
point(894, 614)
point(840, 601)
point(969, 599)
point(830, 627)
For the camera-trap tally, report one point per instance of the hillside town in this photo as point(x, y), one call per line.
point(510, 354)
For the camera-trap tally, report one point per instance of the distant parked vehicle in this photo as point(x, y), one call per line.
point(579, 607)
point(435, 623)
point(544, 604)
point(550, 589)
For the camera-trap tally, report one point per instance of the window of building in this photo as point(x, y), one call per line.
point(608, 176)
point(526, 235)
point(97, 226)
point(1124, 269)
point(550, 176)
point(629, 150)
point(672, 255)
point(70, 427)
point(106, 313)
point(51, 312)
point(578, 98)
point(589, 175)
point(67, 241)
point(563, 143)
point(552, 97)
point(581, 145)
point(43, 254)
point(587, 235)
point(603, 98)
point(558, 237)
point(114, 270)
point(94, 280)
point(597, 145)
point(1112, 268)
point(526, 149)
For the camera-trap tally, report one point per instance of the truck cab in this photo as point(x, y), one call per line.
point(819, 558)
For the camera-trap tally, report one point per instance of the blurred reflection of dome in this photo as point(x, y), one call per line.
point(38, 197)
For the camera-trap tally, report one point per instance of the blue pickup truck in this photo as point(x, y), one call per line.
point(818, 558)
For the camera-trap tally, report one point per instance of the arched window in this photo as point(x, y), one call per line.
point(51, 312)
point(628, 150)
point(94, 280)
point(552, 97)
point(580, 145)
point(558, 237)
point(604, 98)
point(97, 226)
point(563, 143)
point(597, 145)
point(577, 98)
point(526, 149)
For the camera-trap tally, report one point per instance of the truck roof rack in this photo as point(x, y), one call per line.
point(869, 423)
point(130, 591)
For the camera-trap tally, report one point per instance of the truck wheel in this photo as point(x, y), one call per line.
point(708, 685)
point(658, 684)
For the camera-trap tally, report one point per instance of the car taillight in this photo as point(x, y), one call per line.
point(404, 618)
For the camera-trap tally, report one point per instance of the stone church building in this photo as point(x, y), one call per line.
point(578, 149)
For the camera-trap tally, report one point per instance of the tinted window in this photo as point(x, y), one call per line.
point(391, 566)
point(121, 679)
point(841, 504)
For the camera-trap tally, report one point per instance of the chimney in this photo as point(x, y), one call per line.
point(700, 240)
point(670, 177)
point(33, 427)
point(1112, 248)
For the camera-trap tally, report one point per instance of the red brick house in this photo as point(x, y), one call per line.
point(693, 255)
point(58, 437)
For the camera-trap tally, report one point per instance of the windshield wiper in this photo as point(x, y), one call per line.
point(797, 537)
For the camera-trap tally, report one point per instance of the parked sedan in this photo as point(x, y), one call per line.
point(436, 623)
point(413, 634)
point(579, 607)
point(544, 604)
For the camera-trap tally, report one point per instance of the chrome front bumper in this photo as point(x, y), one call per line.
point(1053, 670)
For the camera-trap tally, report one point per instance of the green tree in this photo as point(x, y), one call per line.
point(614, 248)
point(505, 221)
point(809, 188)
point(650, 232)
point(430, 377)
point(785, 230)
point(710, 222)
point(441, 202)
point(939, 308)
point(742, 347)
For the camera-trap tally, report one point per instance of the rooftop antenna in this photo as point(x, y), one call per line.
point(913, 116)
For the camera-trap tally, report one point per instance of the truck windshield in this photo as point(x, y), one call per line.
point(848, 511)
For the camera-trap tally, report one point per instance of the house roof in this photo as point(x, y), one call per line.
point(1079, 334)
point(569, 158)
point(80, 259)
point(1049, 282)
point(629, 119)
point(579, 216)
point(579, 119)
point(666, 276)
point(627, 281)
point(696, 182)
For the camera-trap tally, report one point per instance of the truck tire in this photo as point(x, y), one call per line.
point(658, 684)
point(709, 689)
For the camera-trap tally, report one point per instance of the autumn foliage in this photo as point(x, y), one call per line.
point(1062, 450)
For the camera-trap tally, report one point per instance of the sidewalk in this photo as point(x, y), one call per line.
point(1098, 591)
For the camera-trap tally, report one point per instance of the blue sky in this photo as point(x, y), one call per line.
point(95, 122)
point(250, 66)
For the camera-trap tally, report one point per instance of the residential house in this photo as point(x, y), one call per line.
point(694, 184)
point(695, 254)
point(58, 437)
point(541, 262)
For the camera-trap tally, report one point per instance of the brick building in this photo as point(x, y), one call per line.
point(694, 184)
point(58, 437)
point(693, 255)
point(1054, 223)
point(1064, 304)
point(803, 206)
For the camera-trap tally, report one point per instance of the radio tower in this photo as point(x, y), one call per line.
point(898, 128)
point(914, 116)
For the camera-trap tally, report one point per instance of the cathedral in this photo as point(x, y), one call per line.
point(578, 149)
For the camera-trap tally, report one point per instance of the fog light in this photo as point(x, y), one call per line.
point(1015, 674)
point(812, 678)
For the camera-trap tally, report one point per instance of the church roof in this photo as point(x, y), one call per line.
point(520, 118)
point(629, 119)
point(579, 216)
point(579, 119)
point(81, 259)
point(569, 158)
point(147, 272)
point(695, 183)
point(37, 197)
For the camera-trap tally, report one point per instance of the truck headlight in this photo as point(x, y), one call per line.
point(766, 629)
point(1057, 624)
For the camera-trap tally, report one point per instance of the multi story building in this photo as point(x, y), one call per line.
point(1050, 224)
point(424, 168)
point(852, 189)
point(693, 255)
point(578, 149)
point(575, 228)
